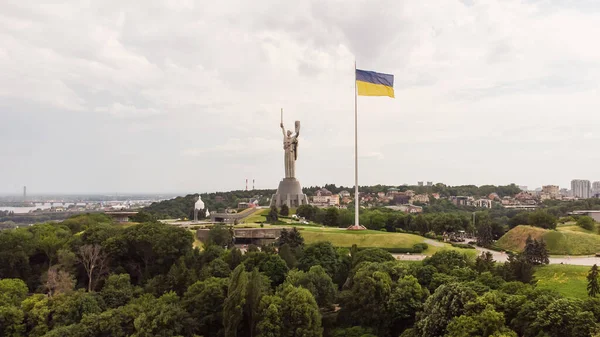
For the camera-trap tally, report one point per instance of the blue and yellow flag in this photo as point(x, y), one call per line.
point(370, 83)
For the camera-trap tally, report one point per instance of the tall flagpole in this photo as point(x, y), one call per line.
point(356, 196)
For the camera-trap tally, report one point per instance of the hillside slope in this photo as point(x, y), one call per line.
point(558, 242)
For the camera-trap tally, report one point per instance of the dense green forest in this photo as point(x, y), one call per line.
point(177, 208)
point(440, 217)
point(442, 189)
point(562, 208)
point(28, 218)
point(497, 221)
point(181, 207)
point(90, 277)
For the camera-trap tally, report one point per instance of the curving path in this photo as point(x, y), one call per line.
point(434, 243)
point(503, 257)
point(574, 260)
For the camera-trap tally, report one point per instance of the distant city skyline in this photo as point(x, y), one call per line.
point(581, 188)
point(243, 187)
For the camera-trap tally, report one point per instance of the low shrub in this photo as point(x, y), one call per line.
point(420, 247)
point(401, 250)
point(462, 245)
point(429, 235)
point(415, 249)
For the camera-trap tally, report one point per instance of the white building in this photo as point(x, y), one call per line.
point(407, 208)
point(581, 188)
point(483, 203)
point(326, 200)
point(596, 187)
point(323, 197)
point(344, 194)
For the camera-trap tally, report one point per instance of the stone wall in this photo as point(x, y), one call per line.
point(255, 235)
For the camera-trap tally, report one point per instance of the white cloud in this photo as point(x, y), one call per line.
point(237, 147)
point(180, 81)
point(127, 111)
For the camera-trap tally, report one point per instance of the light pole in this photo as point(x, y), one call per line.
point(474, 228)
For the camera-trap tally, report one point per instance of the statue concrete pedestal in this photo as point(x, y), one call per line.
point(289, 193)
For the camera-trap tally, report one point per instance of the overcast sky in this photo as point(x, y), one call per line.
point(184, 96)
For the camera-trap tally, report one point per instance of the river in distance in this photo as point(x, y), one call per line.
point(46, 205)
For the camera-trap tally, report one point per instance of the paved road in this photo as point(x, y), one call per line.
point(502, 257)
point(434, 243)
point(574, 260)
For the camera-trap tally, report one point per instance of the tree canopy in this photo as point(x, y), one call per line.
point(155, 283)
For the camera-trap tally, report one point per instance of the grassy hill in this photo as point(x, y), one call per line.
point(559, 242)
point(342, 238)
point(370, 238)
point(313, 233)
point(367, 238)
point(572, 226)
point(259, 216)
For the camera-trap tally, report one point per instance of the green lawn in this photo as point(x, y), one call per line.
point(370, 238)
point(434, 249)
point(342, 238)
point(258, 216)
point(572, 227)
point(559, 242)
point(568, 280)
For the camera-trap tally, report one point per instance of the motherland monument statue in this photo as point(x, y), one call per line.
point(198, 206)
point(289, 191)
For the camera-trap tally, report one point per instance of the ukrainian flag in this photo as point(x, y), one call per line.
point(370, 83)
